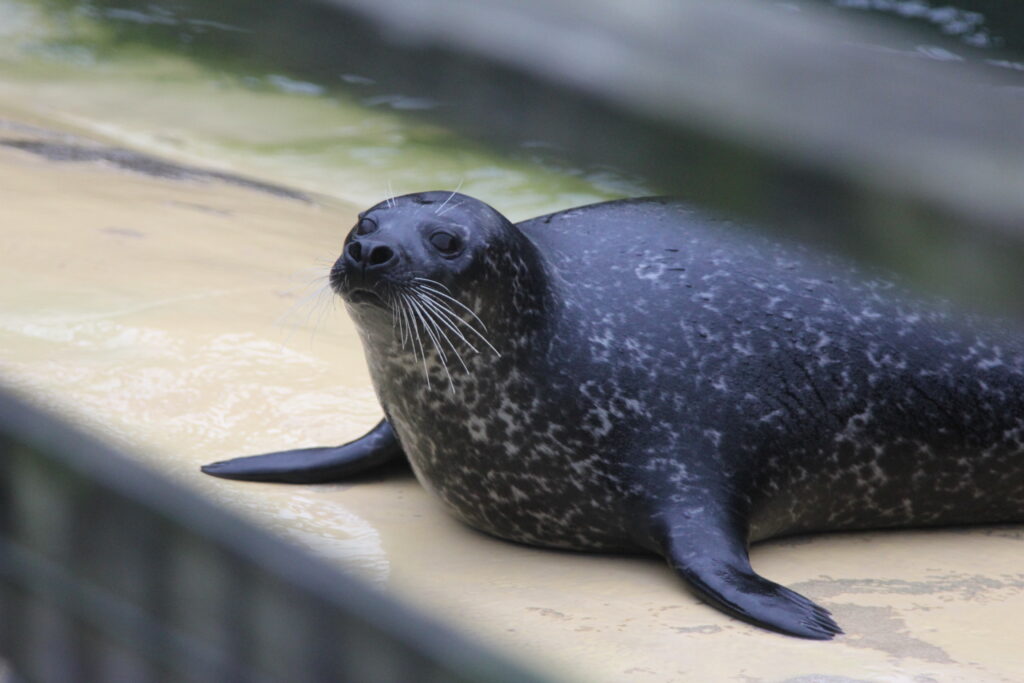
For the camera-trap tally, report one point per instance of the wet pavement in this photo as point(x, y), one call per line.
point(183, 315)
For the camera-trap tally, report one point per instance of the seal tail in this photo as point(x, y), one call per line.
point(315, 465)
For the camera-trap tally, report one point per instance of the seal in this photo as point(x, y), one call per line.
point(636, 376)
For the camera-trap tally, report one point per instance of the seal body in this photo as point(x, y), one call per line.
point(636, 376)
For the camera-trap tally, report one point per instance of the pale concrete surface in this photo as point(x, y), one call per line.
point(147, 309)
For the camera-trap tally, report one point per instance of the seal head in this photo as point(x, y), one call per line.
point(437, 277)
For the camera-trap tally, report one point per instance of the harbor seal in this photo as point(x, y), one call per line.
point(635, 376)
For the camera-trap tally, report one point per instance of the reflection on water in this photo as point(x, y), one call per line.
point(990, 32)
point(966, 25)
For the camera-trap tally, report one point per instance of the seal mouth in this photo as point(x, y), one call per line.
point(362, 295)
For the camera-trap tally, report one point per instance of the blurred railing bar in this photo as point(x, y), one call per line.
point(794, 117)
point(106, 613)
point(110, 572)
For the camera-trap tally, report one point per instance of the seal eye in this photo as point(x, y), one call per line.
point(365, 226)
point(445, 242)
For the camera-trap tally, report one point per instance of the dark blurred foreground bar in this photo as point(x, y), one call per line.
point(110, 573)
point(800, 119)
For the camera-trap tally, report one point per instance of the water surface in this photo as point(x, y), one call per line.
point(331, 132)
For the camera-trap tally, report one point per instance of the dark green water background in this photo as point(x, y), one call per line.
point(281, 73)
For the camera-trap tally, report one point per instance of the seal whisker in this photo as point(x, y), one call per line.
point(440, 333)
point(425, 291)
point(437, 317)
point(448, 319)
point(405, 330)
point(429, 328)
point(400, 312)
point(312, 288)
point(419, 341)
point(446, 307)
point(443, 312)
point(433, 282)
point(457, 188)
point(390, 195)
point(449, 297)
point(426, 322)
point(410, 322)
point(312, 299)
point(428, 332)
point(453, 206)
point(323, 306)
point(453, 317)
point(394, 310)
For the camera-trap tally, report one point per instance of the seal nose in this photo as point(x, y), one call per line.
point(370, 256)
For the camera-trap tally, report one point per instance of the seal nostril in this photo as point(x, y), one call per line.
point(355, 251)
point(380, 255)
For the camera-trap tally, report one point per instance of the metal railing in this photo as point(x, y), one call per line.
point(109, 572)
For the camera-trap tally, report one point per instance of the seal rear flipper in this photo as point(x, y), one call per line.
point(377, 447)
point(712, 558)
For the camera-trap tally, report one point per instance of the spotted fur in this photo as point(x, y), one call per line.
point(635, 362)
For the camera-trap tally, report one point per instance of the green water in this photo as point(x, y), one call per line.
point(261, 88)
point(153, 89)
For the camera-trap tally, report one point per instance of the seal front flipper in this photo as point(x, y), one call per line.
point(377, 447)
point(712, 557)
